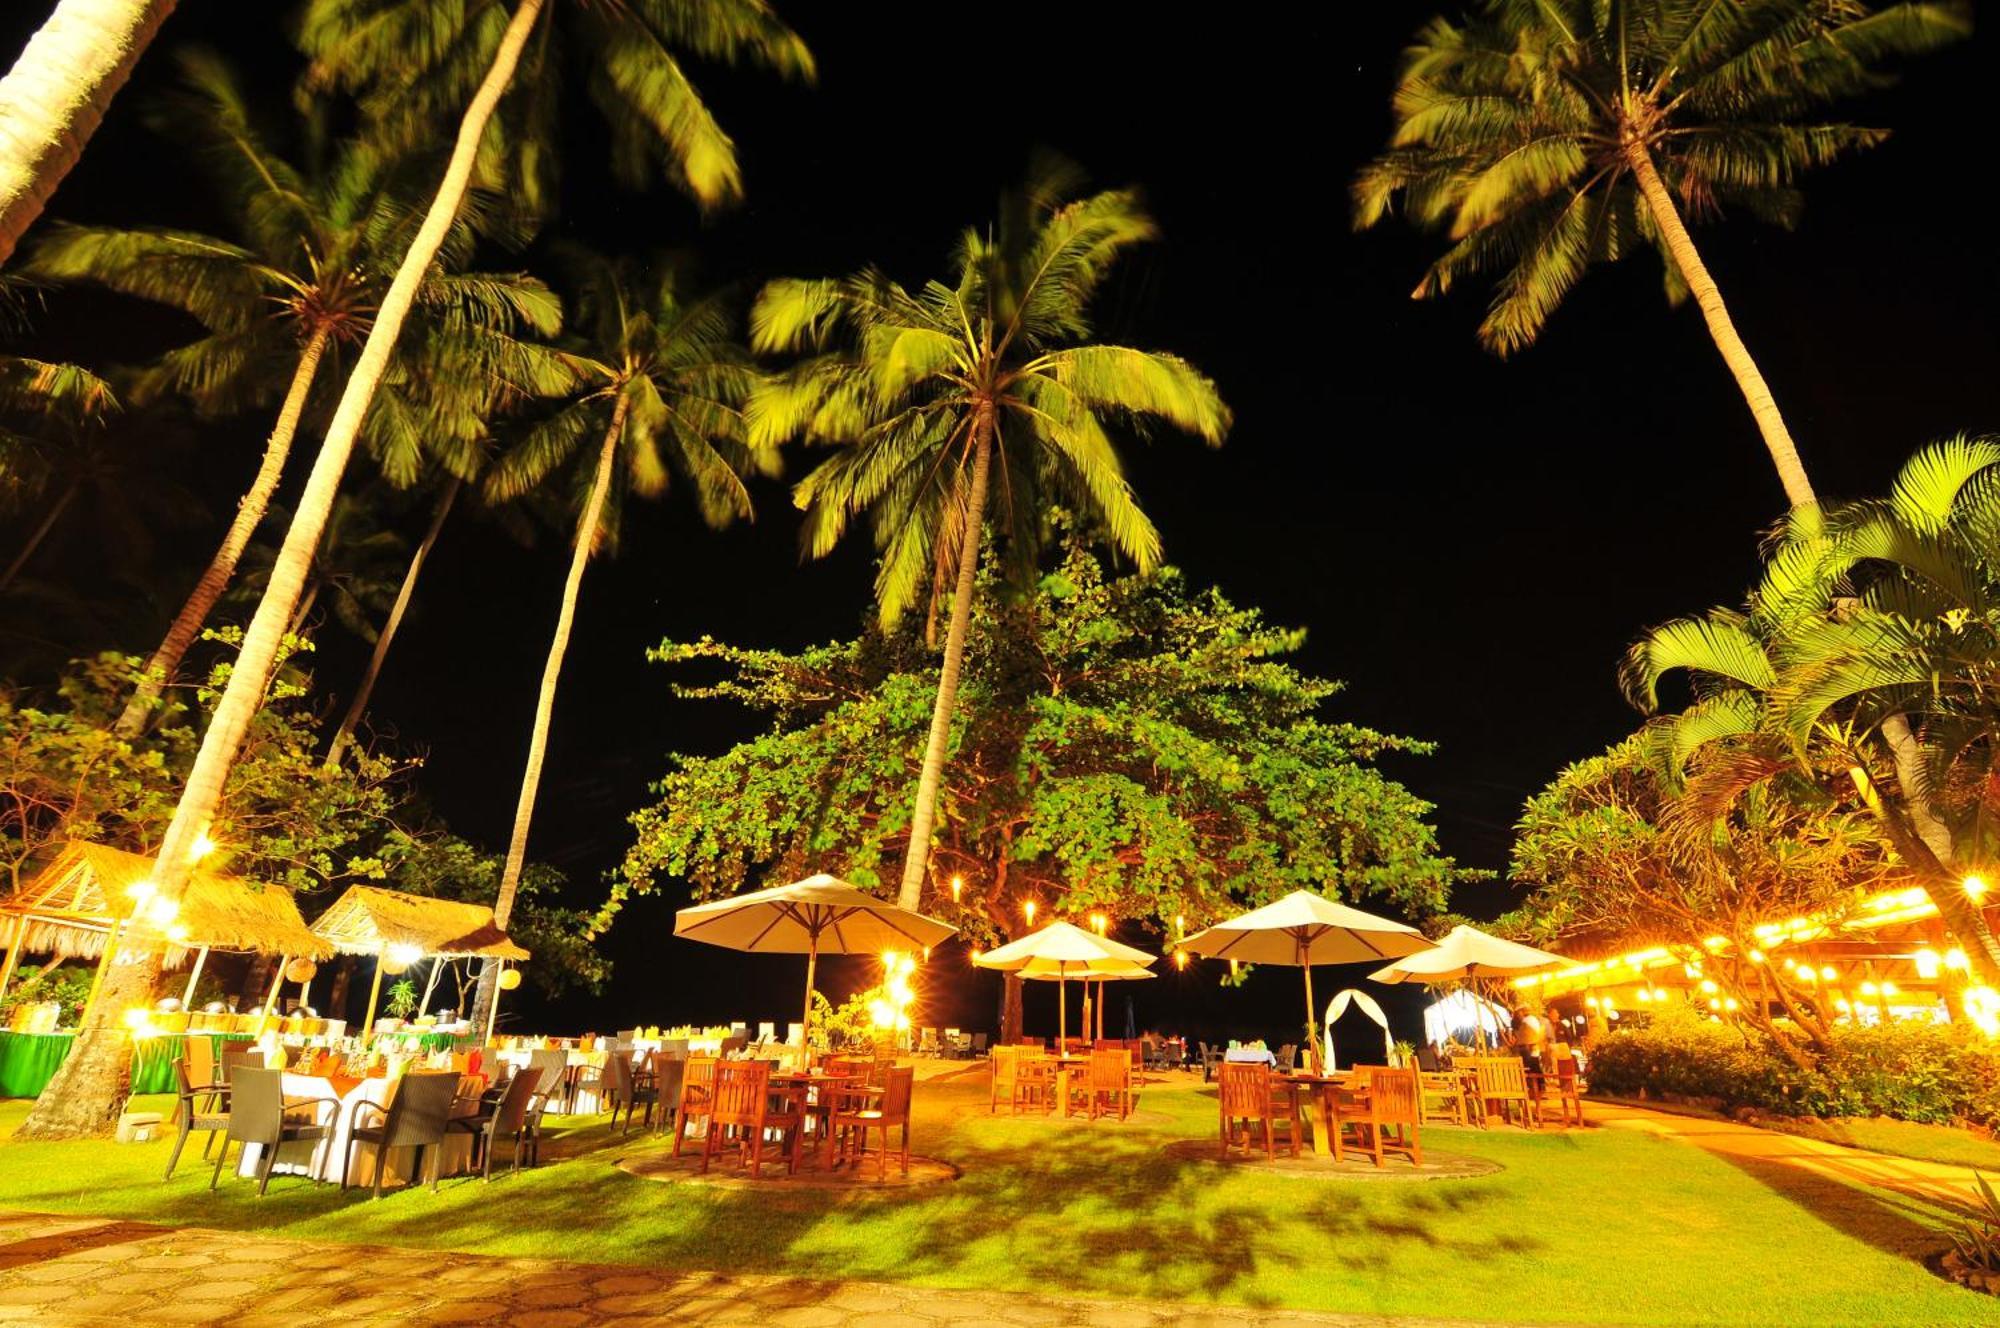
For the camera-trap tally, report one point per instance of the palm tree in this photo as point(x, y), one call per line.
point(928, 390)
point(666, 396)
point(354, 570)
point(1881, 610)
point(416, 59)
point(299, 285)
point(53, 98)
point(47, 413)
point(1544, 136)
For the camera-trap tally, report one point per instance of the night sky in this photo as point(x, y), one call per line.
point(1470, 543)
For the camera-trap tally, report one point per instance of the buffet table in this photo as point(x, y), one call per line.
point(321, 1158)
point(29, 1060)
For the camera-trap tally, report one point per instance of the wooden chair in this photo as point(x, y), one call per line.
point(1108, 1082)
point(1254, 1101)
point(202, 1106)
point(1444, 1097)
point(1287, 1058)
point(1558, 1079)
point(1211, 1060)
point(741, 1101)
point(258, 1115)
point(1395, 1102)
point(697, 1093)
point(418, 1117)
point(1001, 1066)
point(854, 1114)
point(1503, 1086)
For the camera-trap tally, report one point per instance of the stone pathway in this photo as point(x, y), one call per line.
point(1935, 1182)
point(78, 1272)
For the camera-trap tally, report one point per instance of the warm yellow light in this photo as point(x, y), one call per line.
point(1099, 921)
point(1029, 909)
point(1829, 974)
point(957, 888)
point(1232, 968)
point(1708, 986)
point(1955, 960)
point(138, 1021)
point(978, 955)
point(1927, 964)
point(1890, 990)
point(890, 960)
point(1714, 943)
point(141, 890)
point(899, 991)
point(927, 954)
point(1729, 1003)
point(1714, 1004)
point(881, 1014)
point(1840, 1004)
point(177, 932)
point(1180, 959)
point(1975, 888)
point(161, 911)
point(1591, 1001)
point(1180, 922)
point(1644, 995)
point(202, 846)
point(1868, 989)
point(405, 954)
point(1659, 993)
point(1756, 956)
point(1806, 975)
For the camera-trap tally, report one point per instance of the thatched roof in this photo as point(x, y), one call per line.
point(70, 905)
point(368, 918)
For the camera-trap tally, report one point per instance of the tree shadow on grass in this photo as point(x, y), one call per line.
point(1908, 1225)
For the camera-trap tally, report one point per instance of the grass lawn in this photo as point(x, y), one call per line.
point(1602, 1226)
point(1929, 1143)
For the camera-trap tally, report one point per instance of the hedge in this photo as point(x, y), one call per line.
point(1931, 1073)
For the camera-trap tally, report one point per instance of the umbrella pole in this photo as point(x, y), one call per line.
point(1313, 1060)
point(430, 985)
point(806, 1022)
point(1062, 1015)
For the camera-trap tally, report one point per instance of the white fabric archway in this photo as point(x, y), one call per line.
point(1365, 1003)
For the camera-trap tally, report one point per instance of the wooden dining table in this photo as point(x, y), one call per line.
point(1320, 1101)
point(799, 1086)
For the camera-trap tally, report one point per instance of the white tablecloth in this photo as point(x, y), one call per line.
point(321, 1159)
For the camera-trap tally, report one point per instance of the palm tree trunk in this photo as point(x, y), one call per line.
point(545, 704)
point(187, 624)
point(355, 708)
point(1777, 438)
point(41, 532)
point(85, 1095)
point(305, 606)
point(916, 860)
point(56, 94)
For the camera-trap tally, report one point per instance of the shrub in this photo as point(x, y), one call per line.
point(1930, 1073)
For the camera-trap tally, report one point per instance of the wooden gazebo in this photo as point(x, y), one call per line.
point(394, 926)
point(79, 902)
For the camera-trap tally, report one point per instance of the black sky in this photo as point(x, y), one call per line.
point(1470, 543)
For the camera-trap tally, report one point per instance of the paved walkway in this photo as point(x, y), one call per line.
point(69, 1272)
point(1936, 1182)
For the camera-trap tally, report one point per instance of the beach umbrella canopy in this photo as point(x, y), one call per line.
point(1061, 951)
point(819, 915)
point(1467, 952)
point(1304, 929)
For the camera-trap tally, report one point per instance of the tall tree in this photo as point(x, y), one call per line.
point(1545, 135)
point(667, 391)
point(1133, 745)
point(53, 98)
point(399, 50)
point(924, 393)
point(314, 245)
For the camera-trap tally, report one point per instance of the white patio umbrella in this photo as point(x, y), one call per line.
point(1304, 929)
point(819, 915)
point(1061, 951)
point(1467, 952)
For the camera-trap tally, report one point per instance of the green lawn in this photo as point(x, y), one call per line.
point(1929, 1143)
point(1602, 1226)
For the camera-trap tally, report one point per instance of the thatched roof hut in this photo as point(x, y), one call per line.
point(69, 907)
point(369, 919)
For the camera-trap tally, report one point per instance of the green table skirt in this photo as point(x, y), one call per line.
point(29, 1060)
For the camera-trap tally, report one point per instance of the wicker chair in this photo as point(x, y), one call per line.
point(1255, 1102)
point(257, 1115)
point(204, 1107)
point(510, 1118)
point(418, 1116)
point(854, 1114)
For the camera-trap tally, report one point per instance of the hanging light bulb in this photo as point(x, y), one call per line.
point(957, 888)
point(1029, 909)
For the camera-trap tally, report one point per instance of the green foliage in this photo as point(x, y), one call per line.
point(1515, 128)
point(66, 984)
point(905, 387)
point(402, 1001)
point(416, 63)
point(848, 1026)
point(1935, 1074)
point(1129, 744)
point(1977, 1239)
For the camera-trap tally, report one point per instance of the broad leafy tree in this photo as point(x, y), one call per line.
point(1546, 135)
point(1130, 744)
point(924, 394)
